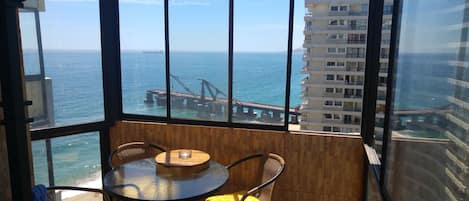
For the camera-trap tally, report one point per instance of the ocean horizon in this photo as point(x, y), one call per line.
point(257, 77)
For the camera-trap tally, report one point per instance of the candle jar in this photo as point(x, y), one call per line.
point(185, 154)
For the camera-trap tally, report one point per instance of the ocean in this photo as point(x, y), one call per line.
point(258, 77)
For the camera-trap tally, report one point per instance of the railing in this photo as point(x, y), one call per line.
point(358, 27)
point(339, 13)
point(356, 41)
point(330, 121)
point(332, 95)
point(352, 109)
point(358, 14)
point(353, 122)
point(355, 69)
point(353, 83)
point(355, 55)
point(352, 96)
point(338, 27)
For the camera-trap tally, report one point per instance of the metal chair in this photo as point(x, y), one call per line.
point(273, 167)
point(133, 151)
point(51, 195)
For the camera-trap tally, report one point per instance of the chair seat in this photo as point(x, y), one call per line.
point(231, 197)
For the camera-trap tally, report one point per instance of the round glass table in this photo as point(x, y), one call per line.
point(138, 180)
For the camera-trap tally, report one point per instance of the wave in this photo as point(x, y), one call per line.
point(93, 181)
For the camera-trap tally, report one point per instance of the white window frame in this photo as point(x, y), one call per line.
point(330, 75)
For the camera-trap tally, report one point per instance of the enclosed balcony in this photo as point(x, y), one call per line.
point(217, 100)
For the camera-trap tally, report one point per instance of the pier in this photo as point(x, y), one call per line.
point(211, 103)
point(243, 110)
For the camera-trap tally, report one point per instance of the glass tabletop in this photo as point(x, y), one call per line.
point(139, 180)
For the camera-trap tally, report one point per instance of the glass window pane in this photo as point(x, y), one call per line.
point(333, 64)
point(199, 59)
point(29, 42)
point(428, 156)
point(38, 150)
point(259, 61)
point(76, 161)
point(72, 89)
point(142, 57)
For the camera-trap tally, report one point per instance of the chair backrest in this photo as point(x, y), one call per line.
point(273, 168)
point(133, 151)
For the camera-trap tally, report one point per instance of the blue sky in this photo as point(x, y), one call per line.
point(202, 25)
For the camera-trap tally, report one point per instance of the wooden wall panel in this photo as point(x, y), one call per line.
point(318, 167)
point(5, 191)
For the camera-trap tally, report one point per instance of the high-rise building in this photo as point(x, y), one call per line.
point(335, 42)
point(457, 168)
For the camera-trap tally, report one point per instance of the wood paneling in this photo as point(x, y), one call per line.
point(318, 167)
point(5, 191)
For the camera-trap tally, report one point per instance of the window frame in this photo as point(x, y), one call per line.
point(229, 123)
point(109, 17)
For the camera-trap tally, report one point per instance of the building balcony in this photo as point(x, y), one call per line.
point(331, 42)
point(331, 70)
point(319, 82)
point(352, 109)
point(352, 122)
point(336, 55)
point(309, 3)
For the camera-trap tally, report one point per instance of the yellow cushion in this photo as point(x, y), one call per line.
point(231, 197)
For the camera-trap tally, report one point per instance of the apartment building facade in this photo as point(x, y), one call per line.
point(335, 42)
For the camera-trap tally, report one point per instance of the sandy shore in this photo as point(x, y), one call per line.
point(85, 197)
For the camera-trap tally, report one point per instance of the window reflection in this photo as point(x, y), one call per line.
point(427, 155)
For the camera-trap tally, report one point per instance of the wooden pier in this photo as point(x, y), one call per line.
point(212, 106)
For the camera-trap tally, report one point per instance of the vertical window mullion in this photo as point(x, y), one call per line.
point(286, 115)
point(230, 60)
point(167, 58)
point(390, 83)
point(373, 48)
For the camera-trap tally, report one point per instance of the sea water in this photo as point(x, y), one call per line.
point(259, 77)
